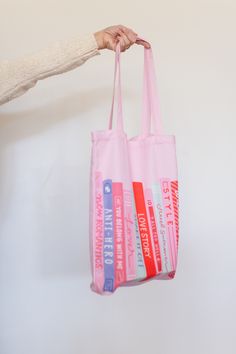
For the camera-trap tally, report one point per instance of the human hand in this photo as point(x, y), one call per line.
point(110, 36)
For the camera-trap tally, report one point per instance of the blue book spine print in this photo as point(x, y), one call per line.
point(108, 245)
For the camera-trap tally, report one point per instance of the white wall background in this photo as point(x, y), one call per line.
point(46, 306)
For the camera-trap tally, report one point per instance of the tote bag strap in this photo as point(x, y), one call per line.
point(150, 101)
point(146, 107)
point(117, 94)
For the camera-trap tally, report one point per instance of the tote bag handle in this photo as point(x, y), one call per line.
point(117, 92)
point(150, 100)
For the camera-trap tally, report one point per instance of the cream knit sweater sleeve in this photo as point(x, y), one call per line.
point(18, 76)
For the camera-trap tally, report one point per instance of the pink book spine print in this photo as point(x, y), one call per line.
point(98, 270)
point(170, 222)
point(161, 224)
point(129, 236)
point(175, 199)
point(154, 230)
point(119, 236)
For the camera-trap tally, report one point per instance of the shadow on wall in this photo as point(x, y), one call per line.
point(57, 204)
point(23, 124)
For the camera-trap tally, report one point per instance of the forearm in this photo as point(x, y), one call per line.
point(18, 76)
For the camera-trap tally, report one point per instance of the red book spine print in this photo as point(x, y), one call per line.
point(175, 199)
point(144, 229)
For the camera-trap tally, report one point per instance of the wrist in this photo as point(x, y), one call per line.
point(99, 39)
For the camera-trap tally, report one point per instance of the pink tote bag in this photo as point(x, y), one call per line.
point(134, 228)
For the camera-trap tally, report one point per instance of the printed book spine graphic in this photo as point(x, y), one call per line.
point(136, 232)
point(98, 240)
point(129, 236)
point(154, 230)
point(144, 229)
point(119, 239)
point(169, 220)
point(108, 244)
point(175, 200)
point(140, 266)
point(161, 224)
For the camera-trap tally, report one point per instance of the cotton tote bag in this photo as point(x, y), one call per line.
point(134, 228)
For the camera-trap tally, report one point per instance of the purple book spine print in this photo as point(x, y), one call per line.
point(108, 246)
